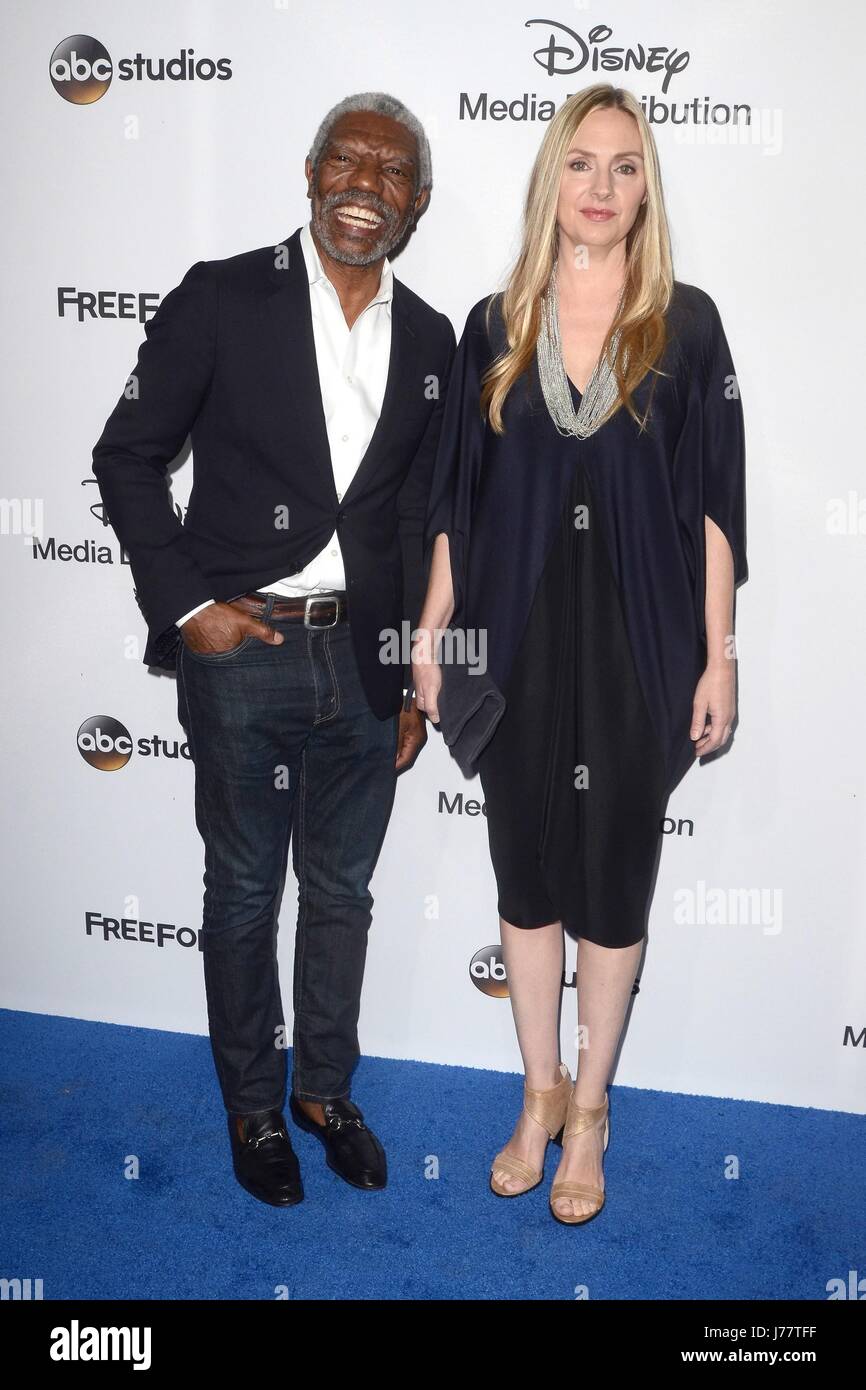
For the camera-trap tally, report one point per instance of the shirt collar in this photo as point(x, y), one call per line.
point(316, 271)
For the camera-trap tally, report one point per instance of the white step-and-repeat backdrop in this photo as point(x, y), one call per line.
point(192, 147)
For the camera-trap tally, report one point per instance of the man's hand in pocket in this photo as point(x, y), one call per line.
point(220, 627)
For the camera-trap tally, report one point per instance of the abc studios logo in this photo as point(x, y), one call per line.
point(104, 743)
point(487, 972)
point(80, 69)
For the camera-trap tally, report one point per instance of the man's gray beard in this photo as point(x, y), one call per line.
point(383, 247)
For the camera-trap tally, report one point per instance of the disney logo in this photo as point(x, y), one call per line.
point(559, 58)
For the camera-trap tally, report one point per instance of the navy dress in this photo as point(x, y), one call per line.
point(583, 563)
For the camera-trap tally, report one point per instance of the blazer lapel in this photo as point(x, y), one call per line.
point(403, 348)
point(288, 310)
point(287, 303)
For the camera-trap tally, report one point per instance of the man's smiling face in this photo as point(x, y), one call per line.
point(363, 191)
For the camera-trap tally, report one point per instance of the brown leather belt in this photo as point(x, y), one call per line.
point(315, 610)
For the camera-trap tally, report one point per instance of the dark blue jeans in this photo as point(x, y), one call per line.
point(285, 746)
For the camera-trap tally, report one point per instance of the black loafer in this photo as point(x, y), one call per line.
point(353, 1151)
point(265, 1163)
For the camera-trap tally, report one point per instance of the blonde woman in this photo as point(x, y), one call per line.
point(587, 514)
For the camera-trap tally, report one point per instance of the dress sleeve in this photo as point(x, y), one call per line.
point(459, 455)
point(723, 449)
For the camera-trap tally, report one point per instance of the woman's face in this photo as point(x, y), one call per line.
point(603, 183)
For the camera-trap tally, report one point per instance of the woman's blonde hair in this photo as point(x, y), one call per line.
point(649, 270)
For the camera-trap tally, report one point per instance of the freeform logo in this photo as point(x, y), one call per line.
point(107, 745)
point(487, 972)
point(106, 304)
point(146, 933)
point(81, 69)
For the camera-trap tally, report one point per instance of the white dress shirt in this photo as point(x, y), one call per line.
point(353, 369)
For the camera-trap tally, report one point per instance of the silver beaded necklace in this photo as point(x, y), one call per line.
point(601, 390)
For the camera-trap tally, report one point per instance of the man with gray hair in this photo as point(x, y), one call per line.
point(312, 382)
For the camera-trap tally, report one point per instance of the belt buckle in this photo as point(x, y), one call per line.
point(321, 598)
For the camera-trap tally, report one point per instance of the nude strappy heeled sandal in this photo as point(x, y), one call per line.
point(549, 1109)
point(578, 1119)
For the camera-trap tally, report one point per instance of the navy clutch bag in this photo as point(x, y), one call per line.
point(470, 707)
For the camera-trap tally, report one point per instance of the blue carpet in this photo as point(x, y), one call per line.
point(79, 1097)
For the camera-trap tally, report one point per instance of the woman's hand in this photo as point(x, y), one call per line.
point(435, 616)
point(716, 694)
point(427, 675)
point(715, 701)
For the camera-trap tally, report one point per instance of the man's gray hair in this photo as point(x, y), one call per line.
point(382, 105)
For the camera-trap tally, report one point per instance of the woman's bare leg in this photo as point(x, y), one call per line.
point(533, 962)
point(605, 978)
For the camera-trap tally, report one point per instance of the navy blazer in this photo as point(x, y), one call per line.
point(229, 359)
